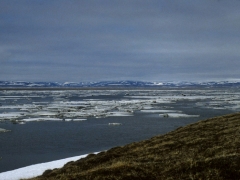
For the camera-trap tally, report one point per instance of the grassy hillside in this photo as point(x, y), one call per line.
point(208, 149)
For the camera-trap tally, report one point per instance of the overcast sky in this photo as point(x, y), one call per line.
point(99, 40)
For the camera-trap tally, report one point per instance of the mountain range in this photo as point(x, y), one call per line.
point(24, 84)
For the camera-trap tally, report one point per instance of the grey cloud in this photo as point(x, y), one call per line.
point(127, 39)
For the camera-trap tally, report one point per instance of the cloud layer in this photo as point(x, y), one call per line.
point(89, 40)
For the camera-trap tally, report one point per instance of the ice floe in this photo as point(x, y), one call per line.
point(79, 119)
point(41, 119)
point(44, 113)
point(119, 114)
point(10, 116)
point(177, 115)
point(158, 111)
point(114, 124)
point(4, 130)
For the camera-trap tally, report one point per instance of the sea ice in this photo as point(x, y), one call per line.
point(119, 114)
point(3, 130)
point(142, 97)
point(177, 115)
point(62, 106)
point(41, 119)
point(79, 119)
point(11, 115)
point(158, 111)
point(114, 124)
point(43, 113)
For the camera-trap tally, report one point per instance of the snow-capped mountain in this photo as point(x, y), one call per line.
point(22, 84)
point(28, 84)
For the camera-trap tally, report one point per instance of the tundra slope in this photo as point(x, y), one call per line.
point(208, 149)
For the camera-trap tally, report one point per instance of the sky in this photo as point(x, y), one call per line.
point(102, 40)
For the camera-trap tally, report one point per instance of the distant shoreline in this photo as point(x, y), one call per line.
point(80, 88)
point(108, 88)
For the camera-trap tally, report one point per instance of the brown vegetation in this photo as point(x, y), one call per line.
point(208, 149)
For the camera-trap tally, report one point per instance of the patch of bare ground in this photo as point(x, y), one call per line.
point(208, 149)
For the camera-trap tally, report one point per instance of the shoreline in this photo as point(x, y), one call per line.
point(109, 88)
point(202, 150)
point(37, 169)
point(199, 138)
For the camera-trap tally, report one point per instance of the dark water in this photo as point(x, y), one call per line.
point(37, 142)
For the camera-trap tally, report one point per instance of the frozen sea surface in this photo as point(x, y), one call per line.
point(42, 126)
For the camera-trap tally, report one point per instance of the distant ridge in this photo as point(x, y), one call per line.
point(23, 84)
